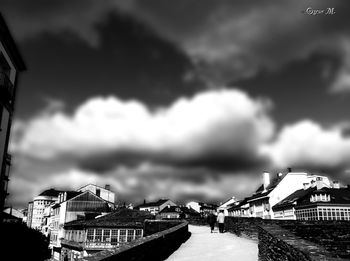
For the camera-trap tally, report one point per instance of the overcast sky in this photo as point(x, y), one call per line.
point(187, 99)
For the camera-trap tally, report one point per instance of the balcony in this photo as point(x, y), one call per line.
point(6, 87)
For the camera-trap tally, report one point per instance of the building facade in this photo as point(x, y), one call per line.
point(324, 204)
point(203, 208)
point(155, 207)
point(85, 237)
point(273, 191)
point(11, 64)
point(73, 206)
point(226, 205)
point(38, 206)
point(104, 193)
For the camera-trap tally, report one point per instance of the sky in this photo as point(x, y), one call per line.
point(188, 99)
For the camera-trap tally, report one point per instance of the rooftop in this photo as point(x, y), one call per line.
point(122, 217)
point(50, 192)
point(153, 204)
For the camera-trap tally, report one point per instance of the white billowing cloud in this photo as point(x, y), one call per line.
point(219, 121)
point(307, 143)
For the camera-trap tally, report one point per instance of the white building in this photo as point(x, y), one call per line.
point(40, 203)
point(155, 207)
point(104, 193)
point(11, 64)
point(226, 205)
point(203, 208)
point(71, 206)
point(274, 190)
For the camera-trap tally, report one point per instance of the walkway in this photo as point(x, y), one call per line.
point(202, 245)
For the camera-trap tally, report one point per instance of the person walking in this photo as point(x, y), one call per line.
point(221, 221)
point(211, 221)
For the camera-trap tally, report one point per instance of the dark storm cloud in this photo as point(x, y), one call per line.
point(225, 39)
point(131, 62)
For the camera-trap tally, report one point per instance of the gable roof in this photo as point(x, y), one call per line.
point(293, 198)
point(337, 196)
point(50, 192)
point(261, 192)
point(171, 209)
point(153, 204)
point(122, 217)
point(177, 209)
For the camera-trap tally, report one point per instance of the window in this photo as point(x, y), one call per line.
point(114, 236)
point(138, 233)
point(98, 192)
point(122, 235)
point(90, 235)
point(98, 235)
point(130, 235)
point(106, 235)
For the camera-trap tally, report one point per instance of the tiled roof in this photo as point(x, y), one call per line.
point(171, 209)
point(260, 192)
point(50, 193)
point(153, 204)
point(337, 196)
point(296, 196)
point(122, 217)
point(176, 209)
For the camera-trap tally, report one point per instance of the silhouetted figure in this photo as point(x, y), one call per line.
point(211, 219)
point(221, 221)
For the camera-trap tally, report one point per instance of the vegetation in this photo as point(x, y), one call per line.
point(22, 243)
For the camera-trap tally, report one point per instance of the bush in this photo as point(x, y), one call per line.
point(22, 243)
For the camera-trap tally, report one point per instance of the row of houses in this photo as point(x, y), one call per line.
point(295, 196)
point(82, 222)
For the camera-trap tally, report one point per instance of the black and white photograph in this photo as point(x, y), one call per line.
point(174, 130)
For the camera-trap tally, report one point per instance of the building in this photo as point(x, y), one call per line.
point(71, 206)
point(226, 205)
point(239, 208)
point(273, 191)
point(14, 212)
point(38, 206)
point(177, 212)
point(203, 208)
point(30, 214)
point(155, 207)
point(85, 237)
point(324, 204)
point(285, 209)
point(11, 64)
point(104, 193)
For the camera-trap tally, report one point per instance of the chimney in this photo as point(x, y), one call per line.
point(108, 187)
point(289, 170)
point(336, 184)
point(266, 179)
point(319, 183)
point(306, 185)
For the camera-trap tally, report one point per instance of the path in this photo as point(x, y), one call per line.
point(203, 245)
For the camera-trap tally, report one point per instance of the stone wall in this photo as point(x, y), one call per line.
point(320, 239)
point(276, 243)
point(328, 238)
point(155, 247)
point(155, 226)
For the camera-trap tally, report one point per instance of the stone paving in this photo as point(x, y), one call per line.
point(203, 246)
